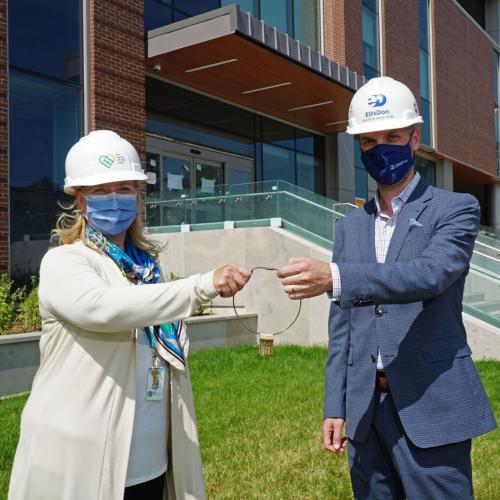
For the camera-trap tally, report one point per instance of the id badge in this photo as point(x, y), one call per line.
point(156, 378)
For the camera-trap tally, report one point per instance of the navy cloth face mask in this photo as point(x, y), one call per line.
point(388, 163)
point(111, 214)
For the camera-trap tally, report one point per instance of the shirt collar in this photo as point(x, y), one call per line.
point(398, 201)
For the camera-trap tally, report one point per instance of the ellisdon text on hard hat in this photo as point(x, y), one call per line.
point(377, 112)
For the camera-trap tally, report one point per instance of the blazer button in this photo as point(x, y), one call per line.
point(379, 312)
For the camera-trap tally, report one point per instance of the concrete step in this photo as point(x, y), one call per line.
point(490, 307)
point(473, 297)
point(486, 306)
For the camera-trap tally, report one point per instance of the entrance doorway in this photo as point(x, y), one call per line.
point(193, 169)
point(184, 171)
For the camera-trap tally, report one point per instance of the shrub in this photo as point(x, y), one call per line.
point(8, 302)
point(29, 314)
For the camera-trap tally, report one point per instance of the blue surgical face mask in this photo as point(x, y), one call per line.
point(388, 163)
point(113, 213)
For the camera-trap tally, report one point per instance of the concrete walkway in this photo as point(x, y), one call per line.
point(483, 338)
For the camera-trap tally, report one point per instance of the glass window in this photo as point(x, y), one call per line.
point(179, 15)
point(425, 97)
point(422, 24)
point(424, 74)
point(426, 168)
point(157, 13)
point(275, 14)
point(176, 173)
point(309, 143)
point(495, 77)
point(44, 122)
point(370, 39)
point(278, 163)
point(195, 7)
point(425, 111)
point(46, 37)
point(278, 133)
point(153, 166)
point(190, 132)
point(371, 4)
point(251, 6)
point(306, 22)
point(310, 173)
point(186, 116)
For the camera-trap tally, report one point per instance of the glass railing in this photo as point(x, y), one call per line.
point(309, 215)
point(491, 232)
point(301, 211)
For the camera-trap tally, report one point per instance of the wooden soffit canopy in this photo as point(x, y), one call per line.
point(233, 56)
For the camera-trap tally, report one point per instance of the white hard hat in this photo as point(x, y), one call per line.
point(100, 157)
point(382, 104)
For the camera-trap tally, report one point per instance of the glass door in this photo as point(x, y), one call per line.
point(209, 178)
point(190, 182)
point(176, 177)
point(239, 174)
point(208, 175)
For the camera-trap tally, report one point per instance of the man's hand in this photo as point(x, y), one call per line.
point(304, 277)
point(332, 435)
point(230, 279)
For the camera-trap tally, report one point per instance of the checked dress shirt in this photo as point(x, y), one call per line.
point(384, 229)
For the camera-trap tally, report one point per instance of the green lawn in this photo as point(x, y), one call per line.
point(10, 410)
point(259, 421)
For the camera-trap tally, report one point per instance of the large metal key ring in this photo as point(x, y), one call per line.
point(261, 333)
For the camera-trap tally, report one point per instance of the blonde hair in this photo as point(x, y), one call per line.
point(71, 226)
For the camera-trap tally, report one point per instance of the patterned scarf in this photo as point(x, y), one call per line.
point(171, 340)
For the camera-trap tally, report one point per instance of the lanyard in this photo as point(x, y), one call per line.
point(151, 337)
point(152, 345)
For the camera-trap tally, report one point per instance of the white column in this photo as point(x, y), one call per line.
point(444, 174)
point(494, 205)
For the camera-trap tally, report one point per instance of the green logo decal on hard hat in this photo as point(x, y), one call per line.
point(107, 160)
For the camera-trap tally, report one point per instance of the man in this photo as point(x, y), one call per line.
point(399, 370)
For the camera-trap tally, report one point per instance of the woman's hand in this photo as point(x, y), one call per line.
point(230, 279)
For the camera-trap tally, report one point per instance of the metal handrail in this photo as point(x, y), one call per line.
point(185, 200)
point(486, 256)
point(488, 246)
point(334, 212)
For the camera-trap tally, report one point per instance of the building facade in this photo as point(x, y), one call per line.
point(215, 93)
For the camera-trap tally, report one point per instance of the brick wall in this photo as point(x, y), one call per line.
point(117, 91)
point(343, 34)
point(401, 42)
point(463, 89)
point(4, 165)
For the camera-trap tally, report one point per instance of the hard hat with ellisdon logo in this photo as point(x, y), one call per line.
point(100, 157)
point(382, 104)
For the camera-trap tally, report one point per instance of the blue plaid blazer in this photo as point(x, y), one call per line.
point(410, 308)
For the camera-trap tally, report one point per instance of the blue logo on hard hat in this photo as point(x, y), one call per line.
point(377, 100)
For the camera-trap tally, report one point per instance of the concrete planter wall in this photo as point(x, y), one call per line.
point(20, 355)
point(19, 360)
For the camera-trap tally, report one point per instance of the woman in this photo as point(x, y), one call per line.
point(110, 415)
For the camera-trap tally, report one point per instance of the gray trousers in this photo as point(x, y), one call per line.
point(389, 466)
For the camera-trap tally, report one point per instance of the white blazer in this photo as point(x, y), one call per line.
point(76, 427)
